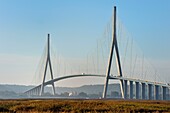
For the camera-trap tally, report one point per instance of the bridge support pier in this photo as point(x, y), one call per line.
point(31, 93)
point(168, 93)
point(143, 91)
point(34, 92)
point(156, 92)
point(38, 90)
point(150, 91)
point(164, 92)
point(131, 89)
point(125, 89)
point(137, 90)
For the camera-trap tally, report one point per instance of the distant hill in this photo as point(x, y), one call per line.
point(15, 91)
point(14, 88)
point(90, 89)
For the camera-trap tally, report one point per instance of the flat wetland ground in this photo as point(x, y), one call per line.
point(83, 105)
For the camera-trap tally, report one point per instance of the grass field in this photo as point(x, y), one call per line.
point(79, 106)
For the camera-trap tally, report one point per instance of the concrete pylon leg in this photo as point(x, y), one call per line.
point(122, 88)
point(105, 87)
point(42, 90)
point(53, 87)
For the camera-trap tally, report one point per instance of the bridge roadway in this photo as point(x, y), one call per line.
point(152, 86)
point(62, 78)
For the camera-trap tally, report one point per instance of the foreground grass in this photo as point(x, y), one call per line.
point(79, 106)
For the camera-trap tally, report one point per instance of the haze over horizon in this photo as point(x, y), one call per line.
point(24, 26)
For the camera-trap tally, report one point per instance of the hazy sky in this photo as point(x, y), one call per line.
point(75, 25)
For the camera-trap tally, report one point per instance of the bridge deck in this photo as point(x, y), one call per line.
point(102, 76)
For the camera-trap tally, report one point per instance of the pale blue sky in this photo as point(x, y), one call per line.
point(24, 25)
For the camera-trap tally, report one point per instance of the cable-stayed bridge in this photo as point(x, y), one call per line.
point(130, 67)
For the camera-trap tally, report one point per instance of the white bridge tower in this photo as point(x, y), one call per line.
point(119, 69)
point(48, 61)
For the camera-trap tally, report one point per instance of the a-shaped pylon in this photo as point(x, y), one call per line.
point(48, 61)
point(114, 44)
